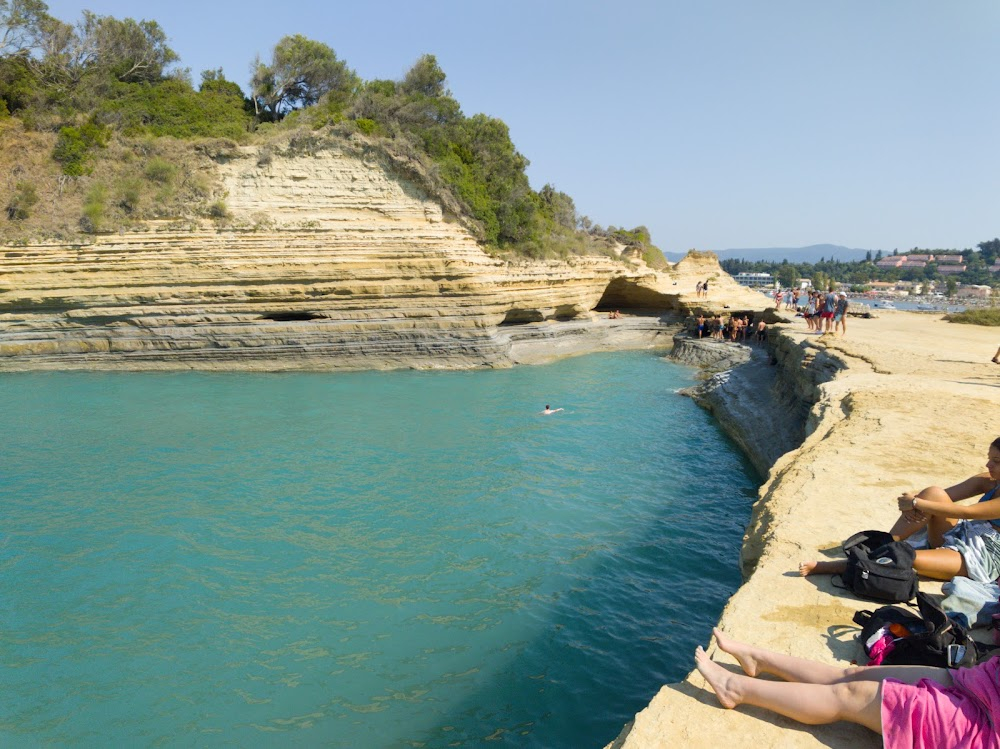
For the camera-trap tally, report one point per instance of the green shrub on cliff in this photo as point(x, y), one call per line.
point(173, 108)
point(22, 201)
point(160, 170)
point(75, 144)
point(94, 206)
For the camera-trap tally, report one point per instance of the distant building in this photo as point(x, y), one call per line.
point(890, 262)
point(913, 264)
point(919, 258)
point(975, 291)
point(755, 280)
point(946, 269)
point(995, 268)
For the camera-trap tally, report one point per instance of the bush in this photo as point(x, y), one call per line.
point(131, 193)
point(93, 208)
point(21, 202)
point(987, 316)
point(366, 126)
point(218, 210)
point(173, 108)
point(74, 145)
point(654, 257)
point(160, 170)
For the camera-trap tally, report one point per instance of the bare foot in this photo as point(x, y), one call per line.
point(806, 568)
point(739, 650)
point(723, 683)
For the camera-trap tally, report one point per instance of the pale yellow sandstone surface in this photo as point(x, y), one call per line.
point(329, 259)
point(901, 402)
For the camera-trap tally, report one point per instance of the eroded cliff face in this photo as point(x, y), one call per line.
point(329, 259)
point(338, 263)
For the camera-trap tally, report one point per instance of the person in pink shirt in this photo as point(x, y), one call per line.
point(911, 706)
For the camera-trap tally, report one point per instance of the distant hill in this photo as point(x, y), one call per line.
point(810, 254)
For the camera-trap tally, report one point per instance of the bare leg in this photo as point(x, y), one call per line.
point(833, 567)
point(813, 704)
point(940, 564)
point(755, 660)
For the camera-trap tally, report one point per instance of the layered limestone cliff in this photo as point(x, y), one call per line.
point(901, 402)
point(338, 259)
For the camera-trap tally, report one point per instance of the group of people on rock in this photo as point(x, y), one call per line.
point(735, 327)
point(911, 706)
point(824, 312)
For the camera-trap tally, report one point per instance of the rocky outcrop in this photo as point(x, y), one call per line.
point(330, 258)
point(900, 403)
point(709, 354)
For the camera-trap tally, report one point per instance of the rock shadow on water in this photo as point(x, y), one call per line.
point(627, 657)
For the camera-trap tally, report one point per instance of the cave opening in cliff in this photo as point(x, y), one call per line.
point(626, 294)
point(290, 316)
point(522, 316)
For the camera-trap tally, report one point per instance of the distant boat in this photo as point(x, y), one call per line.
point(884, 305)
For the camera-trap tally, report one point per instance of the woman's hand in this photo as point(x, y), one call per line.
point(911, 513)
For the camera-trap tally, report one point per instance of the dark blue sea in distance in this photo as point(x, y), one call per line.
point(402, 559)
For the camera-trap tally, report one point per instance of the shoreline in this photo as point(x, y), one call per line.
point(507, 346)
point(901, 402)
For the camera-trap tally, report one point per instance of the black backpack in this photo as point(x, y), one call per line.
point(932, 640)
point(878, 568)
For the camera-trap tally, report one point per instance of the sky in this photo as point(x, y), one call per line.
point(717, 124)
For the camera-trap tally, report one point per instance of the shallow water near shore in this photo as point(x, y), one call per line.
point(403, 559)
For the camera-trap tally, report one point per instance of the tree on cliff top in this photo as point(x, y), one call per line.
point(300, 73)
point(21, 22)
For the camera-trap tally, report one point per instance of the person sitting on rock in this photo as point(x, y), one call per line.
point(911, 706)
point(963, 539)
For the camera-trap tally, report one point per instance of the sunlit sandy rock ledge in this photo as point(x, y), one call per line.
point(332, 260)
point(903, 401)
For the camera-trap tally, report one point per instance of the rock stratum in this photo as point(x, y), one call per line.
point(903, 401)
point(343, 261)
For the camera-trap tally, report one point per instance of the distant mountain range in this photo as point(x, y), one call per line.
point(810, 254)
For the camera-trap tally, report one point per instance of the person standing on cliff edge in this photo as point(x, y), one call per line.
point(840, 314)
point(829, 305)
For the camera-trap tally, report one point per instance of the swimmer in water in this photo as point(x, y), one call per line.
point(548, 410)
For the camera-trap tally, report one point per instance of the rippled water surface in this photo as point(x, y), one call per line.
point(400, 559)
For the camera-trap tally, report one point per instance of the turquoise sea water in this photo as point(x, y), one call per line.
point(400, 559)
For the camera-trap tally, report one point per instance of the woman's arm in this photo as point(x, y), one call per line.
point(972, 486)
point(989, 510)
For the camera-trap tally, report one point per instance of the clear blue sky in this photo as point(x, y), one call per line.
point(716, 123)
